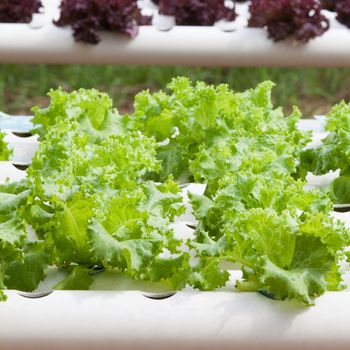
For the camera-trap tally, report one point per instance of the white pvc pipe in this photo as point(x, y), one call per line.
point(187, 320)
point(208, 46)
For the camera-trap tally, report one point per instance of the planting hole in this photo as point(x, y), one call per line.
point(22, 134)
point(341, 209)
point(35, 295)
point(22, 167)
point(159, 296)
point(193, 227)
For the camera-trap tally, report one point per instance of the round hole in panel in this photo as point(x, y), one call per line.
point(159, 296)
point(193, 227)
point(34, 295)
point(341, 209)
point(22, 167)
point(22, 134)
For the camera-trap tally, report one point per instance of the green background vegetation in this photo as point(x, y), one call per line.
point(313, 90)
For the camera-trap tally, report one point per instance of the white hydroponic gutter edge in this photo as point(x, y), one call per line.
point(206, 46)
point(187, 320)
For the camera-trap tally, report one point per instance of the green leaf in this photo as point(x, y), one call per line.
point(79, 278)
point(305, 279)
point(174, 270)
point(163, 200)
point(275, 235)
point(27, 274)
point(207, 275)
point(205, 246)
point(91, 109)
point(340, 189)
point(205, 112)
point(72, 220)
point(334, 152)
point(12, 231)
point(130, 254)
point(10, 202)
point(3, 297)
point(288, 258)
point(201, 205)
point(5, 152)
point(12, 238)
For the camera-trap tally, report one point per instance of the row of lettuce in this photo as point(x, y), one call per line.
point(301, 19)
point(103, 189)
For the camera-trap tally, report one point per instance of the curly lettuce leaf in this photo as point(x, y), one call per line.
point(91, 16)
point(333, 153)
point(194, 13)
point(238, 144)
point(67, 161)
point(290, 258)
point(13, 234)
point(20, 11)
point(79, 278)
point(102, 192)
point(131, 254)
point(91, 109)
point(90, 202)
point(302, 20)
point(283, 237)
point(26, 275)
point(205, 131)
point(5, 152)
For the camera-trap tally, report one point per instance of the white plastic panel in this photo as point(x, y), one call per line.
point(23, 148)
point(187, 320)
point(9, 172)
point(42, 42)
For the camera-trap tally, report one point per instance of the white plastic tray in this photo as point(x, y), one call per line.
point(42, 42)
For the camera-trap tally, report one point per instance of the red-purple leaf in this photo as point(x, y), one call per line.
point(87, 17)
point(196, 12)
point(283, 18)
point(18, 11)
point(342, 8)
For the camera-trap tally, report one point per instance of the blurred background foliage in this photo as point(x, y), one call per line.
point(313, 90)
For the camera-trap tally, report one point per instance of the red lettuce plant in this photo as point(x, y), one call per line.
point(283, 18)
point(342, 8)
point(196, 12)
point(18, 11)
point(86, 17)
